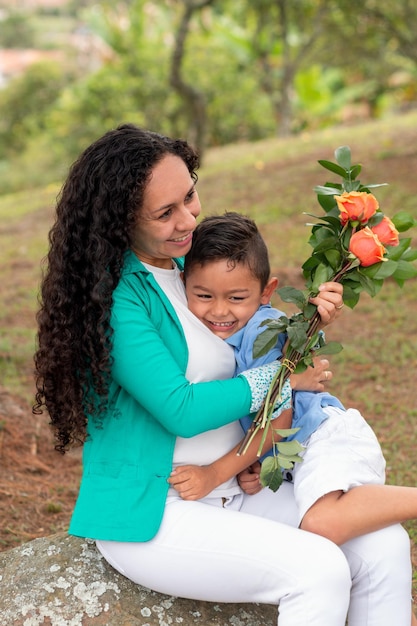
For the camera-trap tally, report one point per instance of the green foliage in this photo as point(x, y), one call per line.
point(286, 453)
point(17, 31)
point(238, 55)
point(26, 104)
point(92, 106)
point(229, 117)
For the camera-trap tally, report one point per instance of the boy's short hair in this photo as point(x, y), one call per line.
point(232, 237)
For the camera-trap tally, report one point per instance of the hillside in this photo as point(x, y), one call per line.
point(272, 181)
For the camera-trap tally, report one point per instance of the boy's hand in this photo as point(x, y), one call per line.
point(193, 482)
point(249, 479)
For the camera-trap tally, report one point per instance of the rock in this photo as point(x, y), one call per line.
point(64, 581)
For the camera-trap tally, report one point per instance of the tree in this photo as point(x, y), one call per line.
point(16, 31)
point(193, 98)
point(398, 23)
point(283, 35)
point(370, 42)
point(26, 103)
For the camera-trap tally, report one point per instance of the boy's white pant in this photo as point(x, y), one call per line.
point(249, 551)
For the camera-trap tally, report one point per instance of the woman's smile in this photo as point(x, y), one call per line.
point(185, 239)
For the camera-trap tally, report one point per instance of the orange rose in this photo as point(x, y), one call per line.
point(386, 232)
point(356, 206)
point(365, 245)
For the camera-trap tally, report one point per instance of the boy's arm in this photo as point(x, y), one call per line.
point(194, 482)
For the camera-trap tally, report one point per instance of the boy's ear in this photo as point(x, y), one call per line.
point(266, 295)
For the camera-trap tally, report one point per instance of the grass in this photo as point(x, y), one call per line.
point(25, 218)
point(272, 181)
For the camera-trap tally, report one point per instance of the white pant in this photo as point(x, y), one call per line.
point(341, 454)
point(249, 551)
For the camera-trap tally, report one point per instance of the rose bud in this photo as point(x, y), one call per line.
point(365, 245)
point(386, 232)
point(356, 206)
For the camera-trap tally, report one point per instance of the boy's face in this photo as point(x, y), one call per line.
point(224, 297)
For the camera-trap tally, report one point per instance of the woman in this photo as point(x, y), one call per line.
point(117, 349)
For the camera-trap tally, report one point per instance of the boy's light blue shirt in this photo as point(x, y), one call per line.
point(308, 406)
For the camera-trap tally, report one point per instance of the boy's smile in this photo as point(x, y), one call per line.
point(225, 295)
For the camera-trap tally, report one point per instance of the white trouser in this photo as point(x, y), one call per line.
point(249, 551)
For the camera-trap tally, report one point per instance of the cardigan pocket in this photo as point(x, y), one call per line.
point(113, 469)
point(114, 506)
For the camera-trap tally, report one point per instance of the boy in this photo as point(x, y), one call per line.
point(228, 287)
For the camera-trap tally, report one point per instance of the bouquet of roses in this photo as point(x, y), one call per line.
point(353, 243)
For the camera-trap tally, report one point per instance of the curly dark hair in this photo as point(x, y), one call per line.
point(96, 210)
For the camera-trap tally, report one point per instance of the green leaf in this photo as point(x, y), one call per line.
point(404, 271)
point(343, 157)
point(280, 323)
point(334, 258)
point(285, 462)
point(328, 242)
point(286, 432)
point(264, 342)
point(370, 285)
point(310, 264)
point(375, 219)
point(333, 167)
point(350, 297)
point(301, 367)
point(297, 334)
point(355, 171)
point(271, 474)
point(324, 190)
point(352, 276)
point(353, 185)
point(308, 310)
point(396, 252)
point(295, 296)
point(346, 236)
point(321, 275)
point(403, 221)
point(332, 226)
point(380, 271)
point(313, 341)
point(327, 202)
point(374, 186)
point(409, 255)
point(289, 448)
point(333, 347)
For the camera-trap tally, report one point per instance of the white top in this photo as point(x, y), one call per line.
point(210, 358)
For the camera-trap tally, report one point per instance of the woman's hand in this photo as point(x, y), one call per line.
point(329, 302)
point(313, 378)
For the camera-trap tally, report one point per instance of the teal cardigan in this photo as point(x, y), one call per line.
point(127, 457)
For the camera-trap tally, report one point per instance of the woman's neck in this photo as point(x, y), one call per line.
point(165, 263)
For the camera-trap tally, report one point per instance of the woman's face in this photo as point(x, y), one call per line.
point(167, 219)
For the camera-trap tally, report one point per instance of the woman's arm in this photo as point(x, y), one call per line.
point(149, 363)
point(194, 482)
